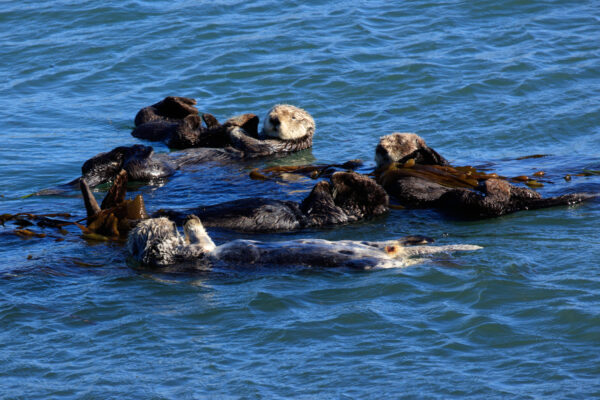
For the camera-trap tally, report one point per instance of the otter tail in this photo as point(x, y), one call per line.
point(564, 200)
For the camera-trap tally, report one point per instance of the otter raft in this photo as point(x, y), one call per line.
point(299, 200)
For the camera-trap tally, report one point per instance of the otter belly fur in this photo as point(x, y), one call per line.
point(156, 242)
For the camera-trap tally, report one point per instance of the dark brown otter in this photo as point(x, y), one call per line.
point(176, 122)
point(189, 132)
point(139, 161)
point(348, 197)
point(409, 171)
point(170, 109)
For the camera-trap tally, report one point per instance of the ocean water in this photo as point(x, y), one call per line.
point(484, 83)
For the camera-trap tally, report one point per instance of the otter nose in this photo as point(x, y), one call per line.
point(274, 121)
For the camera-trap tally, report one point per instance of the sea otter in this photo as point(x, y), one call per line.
point(175, 121)
point(418, 177)
point(286, 129)
point(156, 242)
point(348, 197)
point(139, 161)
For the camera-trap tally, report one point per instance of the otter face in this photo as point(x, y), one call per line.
point(154, 242)
point(401, 147)
point(397, 146)
point(287, 122)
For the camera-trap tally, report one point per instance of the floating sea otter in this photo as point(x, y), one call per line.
point(349, 197)
point(417, 176)
point(176, 122)
point(286, 129)
point(156, 242)
point(140, 162)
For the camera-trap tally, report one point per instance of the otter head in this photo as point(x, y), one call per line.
point(287, 122)
point(104, 167)
point(400, 147)
point(196, 235)
point(154, 242)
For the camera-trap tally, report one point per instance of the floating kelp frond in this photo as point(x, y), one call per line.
point(534, 184)
point(520, 178)
point(257, 176)
point(532, 156)
point(429, 173)
point(26, 233)
point(589, 172)
point(27, 215)
point(115, 218)
point(312, 171)
point(455, 177)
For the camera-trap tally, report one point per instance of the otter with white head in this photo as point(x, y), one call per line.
point(176, 122)
point(156, 242)
point(286, 129)
point(287, 122)
point(400, 147)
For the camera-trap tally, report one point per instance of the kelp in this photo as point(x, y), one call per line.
point(116, 216)
point(313, 171)
point(532, 156)
point(25, 217)
point(446, 176)
point(459, 177)
point(111, 221)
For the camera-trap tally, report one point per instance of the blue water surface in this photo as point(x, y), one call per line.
point(482, 82)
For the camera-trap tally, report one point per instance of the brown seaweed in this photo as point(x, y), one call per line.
point(313, 171)
point(116, 216)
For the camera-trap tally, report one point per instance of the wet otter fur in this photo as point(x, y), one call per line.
point(176, 122)
point(139, 161)
point(484, 199)
point(287, 129)
point(348, 197)
point(400, 147)
point(170, 109)
point(156, 242)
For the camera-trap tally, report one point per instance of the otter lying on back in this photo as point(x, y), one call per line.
point(406, 169)
point(347, 198)
point(176, 122)
point(156, 242)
